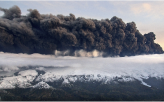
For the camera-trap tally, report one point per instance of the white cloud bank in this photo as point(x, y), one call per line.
point(138, 67)
point(73, 65)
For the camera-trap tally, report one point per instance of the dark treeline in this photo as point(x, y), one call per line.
point(39, 33)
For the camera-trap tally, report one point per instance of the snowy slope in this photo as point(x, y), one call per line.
point(72, 69)
point(41, 85)
point(23, 80)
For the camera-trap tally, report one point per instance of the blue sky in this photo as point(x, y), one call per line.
point(148, 15)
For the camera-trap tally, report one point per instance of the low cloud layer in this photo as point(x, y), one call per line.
point(83, 65)
point(57, 67)
point(46, 33)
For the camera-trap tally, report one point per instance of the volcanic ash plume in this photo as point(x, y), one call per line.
point(46, 34)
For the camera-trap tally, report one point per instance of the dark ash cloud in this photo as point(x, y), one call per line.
point(39, 33)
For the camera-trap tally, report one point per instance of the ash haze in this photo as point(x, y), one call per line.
point(45, 33)
point(40, 30)
point(148, 15)
point(81, 50)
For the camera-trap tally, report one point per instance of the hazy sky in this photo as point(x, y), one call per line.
point(148, 15)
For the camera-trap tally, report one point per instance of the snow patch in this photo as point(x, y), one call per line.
point(40, 68)
point(16, 81)
point(28, 73)
point(41, 85)
point(23, 80)
point(143, 83)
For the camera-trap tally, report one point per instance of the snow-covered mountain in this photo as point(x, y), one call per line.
point(31, 78)
point(37, 70)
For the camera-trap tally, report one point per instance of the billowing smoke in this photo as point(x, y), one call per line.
point(45, 34)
